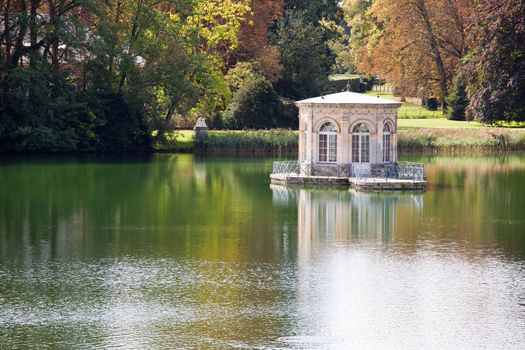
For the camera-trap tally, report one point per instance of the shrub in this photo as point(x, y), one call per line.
point(123, 128)
point(43, 112)
point(432, 104)
point(255, 105)
point(44, 139)
point(369, 81)
point(217, 121)
point(341, 84)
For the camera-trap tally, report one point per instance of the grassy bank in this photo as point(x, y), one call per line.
point(233, 142)
point(452, 140)
point(442, 138)
point(249, 142)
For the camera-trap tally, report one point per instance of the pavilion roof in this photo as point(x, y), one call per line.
point(349, 98)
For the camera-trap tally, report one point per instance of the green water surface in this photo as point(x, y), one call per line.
point(180, 252)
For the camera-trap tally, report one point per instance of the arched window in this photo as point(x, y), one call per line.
point(360, 144)
point(328, 143)
point(387, 144)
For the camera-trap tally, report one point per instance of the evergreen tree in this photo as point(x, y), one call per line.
point(306, 65)
point(457, 101)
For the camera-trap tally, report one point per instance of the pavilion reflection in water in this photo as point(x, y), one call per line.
point(345, 216)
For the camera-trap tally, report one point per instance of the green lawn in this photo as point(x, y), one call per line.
point(408, 110)
point(177, 141)
point(383, 94)
point(443, 123)
point(184, 136)
point(439, 123)
point(343, 76)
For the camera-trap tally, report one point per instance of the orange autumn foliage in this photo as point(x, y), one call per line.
point(253, 44)
point(416, 44)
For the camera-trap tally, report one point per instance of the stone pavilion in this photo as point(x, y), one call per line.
point(347, 133)
point(349, 139)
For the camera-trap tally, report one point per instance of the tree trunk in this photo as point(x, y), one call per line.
point(33, 29)
point(171, 110)
point(113, 43)
point(443, 83)
point(403, 84)
point(7, 37)
point(133, 38)
point(53, 37)
point(16, 57)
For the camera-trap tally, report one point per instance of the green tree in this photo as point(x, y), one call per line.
point(102, 75)
point(308, 37)
point(303, 55)
point(314, 11)
point(255, 104)
point(457, 101)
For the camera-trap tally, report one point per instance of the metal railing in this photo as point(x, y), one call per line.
point(344, 170)
point(289, 167)
point(361, 172)
point(406, 171)
point(401, 170)
point(293, 167)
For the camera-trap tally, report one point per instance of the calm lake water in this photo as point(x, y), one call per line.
point(178, 252)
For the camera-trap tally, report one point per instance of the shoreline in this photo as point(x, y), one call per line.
point(416, 141)
point(410, 141)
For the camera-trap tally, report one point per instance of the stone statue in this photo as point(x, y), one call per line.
point(201, 129)
point(201, 123)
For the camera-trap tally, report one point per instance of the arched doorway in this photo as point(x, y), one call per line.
point(360, 144)
point(361, 150)
point(327, 145)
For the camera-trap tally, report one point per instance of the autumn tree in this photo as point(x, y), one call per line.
point(496, 66)
point(418, 44)
point(253, 42)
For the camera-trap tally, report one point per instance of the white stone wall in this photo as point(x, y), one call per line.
point(345, 117)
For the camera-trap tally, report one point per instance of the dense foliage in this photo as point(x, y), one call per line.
point(305, 66)
point(255, 105)
point(90, 75)
point(496, 67)
point(305, 36)
point(427, 47)
point(87, 75)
